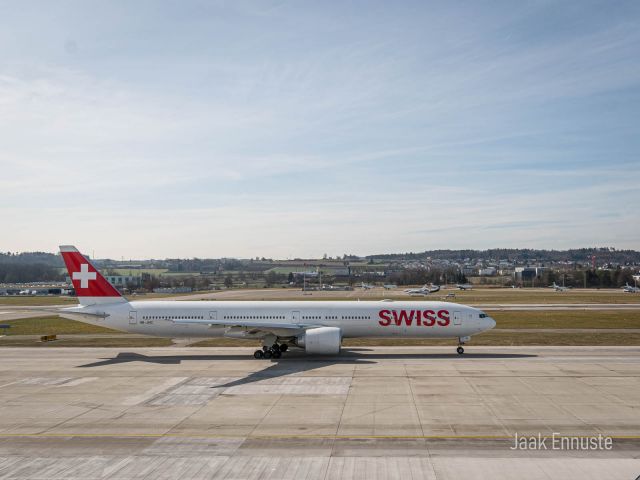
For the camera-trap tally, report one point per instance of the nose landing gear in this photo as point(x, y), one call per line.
point(461, 342)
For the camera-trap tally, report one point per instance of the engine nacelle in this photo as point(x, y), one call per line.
point(321, 340)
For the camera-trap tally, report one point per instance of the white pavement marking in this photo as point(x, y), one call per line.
point(284, 389)
point(47, 381)
point(153, 391)
point(77, 381)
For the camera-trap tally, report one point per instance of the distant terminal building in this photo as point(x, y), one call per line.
point(172, 290)
point(487, 271)
point(36, 289)
point(305, 274)
point(124, 281)
point(524, 274)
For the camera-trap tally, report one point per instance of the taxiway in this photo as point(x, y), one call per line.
point(379, 412)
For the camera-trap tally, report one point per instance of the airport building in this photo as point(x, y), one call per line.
point(36, 289)
point(124, 281)
point(172, 290)
point(523, 274)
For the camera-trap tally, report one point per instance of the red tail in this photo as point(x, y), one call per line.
point(90, 286)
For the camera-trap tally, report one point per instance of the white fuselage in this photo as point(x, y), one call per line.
point(355, 319)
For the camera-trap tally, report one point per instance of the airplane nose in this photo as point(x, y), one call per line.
point(490, 323)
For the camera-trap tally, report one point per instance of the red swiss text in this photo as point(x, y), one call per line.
point(420, 318)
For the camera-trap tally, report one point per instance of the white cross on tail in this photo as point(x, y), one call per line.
point(84, 275)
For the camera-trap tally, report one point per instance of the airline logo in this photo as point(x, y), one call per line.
point(420, 318)
point(86, 280)
point(84, 275)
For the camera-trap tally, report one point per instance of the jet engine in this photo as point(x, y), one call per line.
point(320, 340)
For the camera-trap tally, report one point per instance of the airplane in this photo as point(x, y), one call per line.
point(366, 286)
point(559, 288)
point(316, 327)
point(629, 289)
point(426, 289)
point(389, 286)
point(464, 286)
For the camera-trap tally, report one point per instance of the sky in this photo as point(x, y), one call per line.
point(284, 129)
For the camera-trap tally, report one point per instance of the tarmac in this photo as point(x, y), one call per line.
point(375, 412)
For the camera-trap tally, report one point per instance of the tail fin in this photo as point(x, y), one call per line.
point(90, 286)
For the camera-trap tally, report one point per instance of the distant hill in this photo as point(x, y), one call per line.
point(50, 259)
point(523, 255)
point(30, 267)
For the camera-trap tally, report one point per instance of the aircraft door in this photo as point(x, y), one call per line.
point(295, 316)
point(213, 315)
point(133, 317)
point(457, 318)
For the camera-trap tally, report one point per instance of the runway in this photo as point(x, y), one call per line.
point(379, 412)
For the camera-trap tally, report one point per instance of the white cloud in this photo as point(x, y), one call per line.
point(292, 131)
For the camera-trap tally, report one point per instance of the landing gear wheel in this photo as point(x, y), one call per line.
point(460, 350)
point(284, 347)
point(276, 353)
point(265, 348)
point(267, 354)
point(258, 354)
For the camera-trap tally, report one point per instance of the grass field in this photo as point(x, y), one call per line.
point(547, 320)
point(489, 339)
point(567, 319)
point(478, 296)
point(508, 295)
point(505, 339)
point(37, 301)
point(52, 325)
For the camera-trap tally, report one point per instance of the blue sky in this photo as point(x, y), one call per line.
point(283, 129)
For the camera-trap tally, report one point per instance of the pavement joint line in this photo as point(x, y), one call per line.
point(310, 436)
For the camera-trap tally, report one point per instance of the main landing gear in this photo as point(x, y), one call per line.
point(274, 351)
point(460, 350)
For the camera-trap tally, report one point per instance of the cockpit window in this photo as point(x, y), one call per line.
point(483, 315)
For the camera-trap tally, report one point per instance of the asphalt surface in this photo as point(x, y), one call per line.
point(379, 412)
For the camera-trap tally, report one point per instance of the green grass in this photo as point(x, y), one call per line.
point(52, 325)
point(543, 320)
point(517, 339)
point(28, 301)
point(181, 274)
point(478, 296)
point(566, 319)
point(487, 339)
point(542, 295)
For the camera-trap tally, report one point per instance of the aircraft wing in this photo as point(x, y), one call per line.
point(280, 329)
